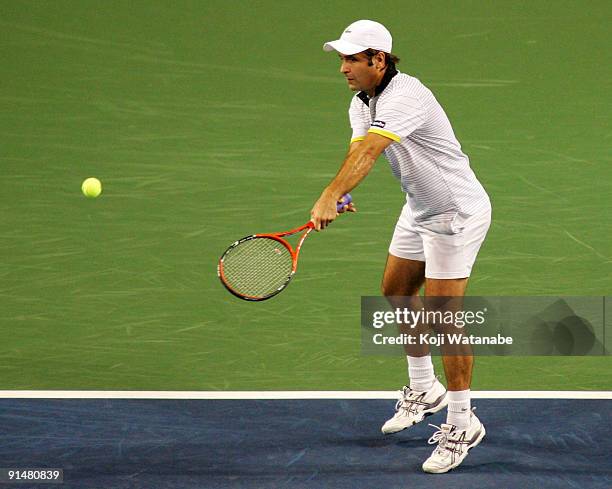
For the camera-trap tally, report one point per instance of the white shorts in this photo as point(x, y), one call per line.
point(448, 245)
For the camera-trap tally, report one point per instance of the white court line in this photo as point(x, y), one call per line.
point(22, 394)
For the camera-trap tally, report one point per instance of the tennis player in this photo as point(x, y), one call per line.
point(439, 231)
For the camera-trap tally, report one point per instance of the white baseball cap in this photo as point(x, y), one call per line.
point(360, 36)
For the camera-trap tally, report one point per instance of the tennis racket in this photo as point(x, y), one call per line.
point(258, 267)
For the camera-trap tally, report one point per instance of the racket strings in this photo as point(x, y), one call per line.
point(257, 267)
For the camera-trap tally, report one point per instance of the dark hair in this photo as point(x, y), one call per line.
point(390, 59)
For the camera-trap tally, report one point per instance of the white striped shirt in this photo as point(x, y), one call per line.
point(425, 155)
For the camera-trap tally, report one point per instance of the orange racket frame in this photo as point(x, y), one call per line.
point(307, 228)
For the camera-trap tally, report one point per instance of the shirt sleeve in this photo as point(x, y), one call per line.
point(360, 122)
point(398, 116)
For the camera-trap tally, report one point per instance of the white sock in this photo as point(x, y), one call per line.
point(459, 409)
point(421, 373)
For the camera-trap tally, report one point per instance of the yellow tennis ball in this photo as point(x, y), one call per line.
point(91, 187)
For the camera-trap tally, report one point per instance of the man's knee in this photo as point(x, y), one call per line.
point(387, 289)
point(390, 288)
point(402, 277)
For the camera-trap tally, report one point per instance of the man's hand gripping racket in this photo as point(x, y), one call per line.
point(260, 266)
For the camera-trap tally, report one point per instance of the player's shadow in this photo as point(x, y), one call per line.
point(378, 442)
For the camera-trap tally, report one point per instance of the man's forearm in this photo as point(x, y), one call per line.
point(355, 168)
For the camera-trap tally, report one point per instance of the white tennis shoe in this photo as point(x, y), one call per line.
point(453, 445)
point(413, 407)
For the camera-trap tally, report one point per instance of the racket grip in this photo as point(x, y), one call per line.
point(346, 199)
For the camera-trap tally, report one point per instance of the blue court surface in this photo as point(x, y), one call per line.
point(536, 443)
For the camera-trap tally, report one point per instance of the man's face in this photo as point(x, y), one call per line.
point(358, 74)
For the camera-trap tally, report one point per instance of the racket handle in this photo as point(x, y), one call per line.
point(346, 199)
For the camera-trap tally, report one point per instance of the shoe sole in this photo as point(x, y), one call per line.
point(426, 414)
point(456, 464)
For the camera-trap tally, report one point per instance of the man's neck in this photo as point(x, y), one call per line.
point(388, 74)
point(372, 91)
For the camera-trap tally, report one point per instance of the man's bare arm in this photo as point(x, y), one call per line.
point(359, 161)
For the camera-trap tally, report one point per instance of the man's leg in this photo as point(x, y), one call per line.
point(462, 430)
point(450, 250)
point(404, 278)
point(425, 395)
point(457, 369)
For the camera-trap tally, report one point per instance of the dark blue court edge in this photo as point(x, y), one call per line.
point(299, 444)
